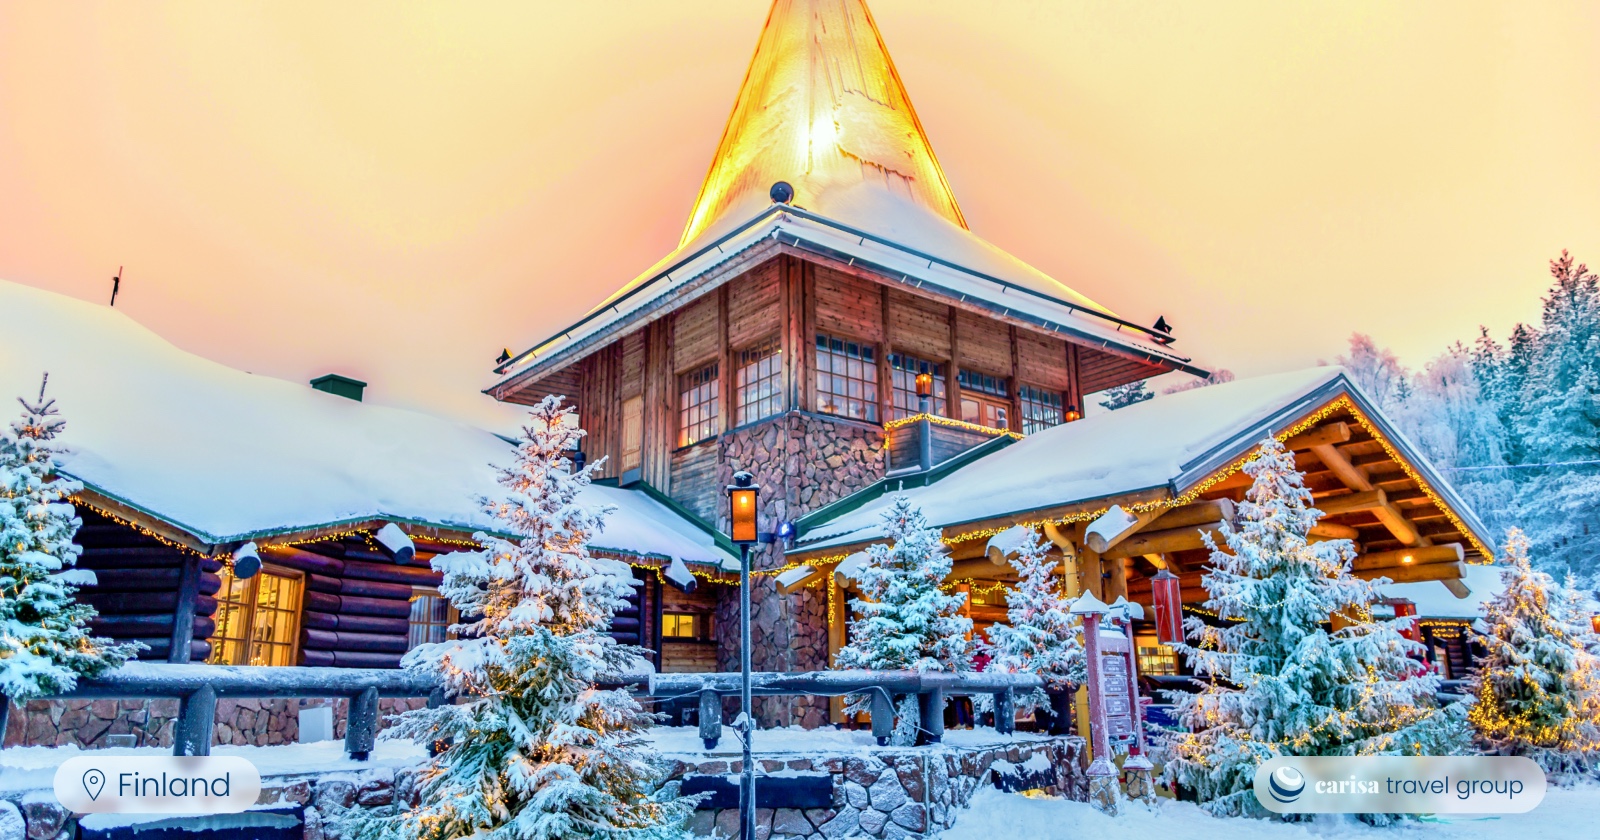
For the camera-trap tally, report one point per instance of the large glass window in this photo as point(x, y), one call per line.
point(847, 378)
point(985, 400)
point(1041, 409)
point(904, 369)
point(431, 617)
point(258, 620)
point(697, 405)
point(1155, 658)
point(759, 382)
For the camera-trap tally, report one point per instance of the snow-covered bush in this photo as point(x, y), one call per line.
point(534, 751)
point(1538, 689)
point(904, 621)
point(1283, 682)
point(1041, 636)
point(44, 642)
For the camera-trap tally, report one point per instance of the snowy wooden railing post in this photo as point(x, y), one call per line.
point(1137, 765)
point(361, 724)
point(1102, 773)
point(931, 705)
point(197, 718)
point(1005, 711)
point(710, 718)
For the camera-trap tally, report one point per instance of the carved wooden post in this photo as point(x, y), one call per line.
point(197, 718)
point(361, 724)
point(930, 704)
point(710, 718)
point(1005, 711)
point(1102, 773)
point(882, 715)
point(1137, 764)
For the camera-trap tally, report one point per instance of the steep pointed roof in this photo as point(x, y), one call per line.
point(822, 108)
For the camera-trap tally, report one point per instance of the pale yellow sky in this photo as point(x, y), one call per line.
point(396, 191)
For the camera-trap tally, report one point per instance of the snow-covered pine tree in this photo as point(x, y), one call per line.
point(45, 645)
point(1123, 396)
point(1041, 636)
point(1283, 683)
point(534, 751)
point(904, 621)
point(1538, 689)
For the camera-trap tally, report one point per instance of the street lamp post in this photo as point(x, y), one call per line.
point(742, 528)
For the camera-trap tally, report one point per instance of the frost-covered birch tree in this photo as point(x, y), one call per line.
point(903, 619)
point(1538, 689)
point(45, 645)
point(1040, 636)
point(1283, 682)
point(533, 750)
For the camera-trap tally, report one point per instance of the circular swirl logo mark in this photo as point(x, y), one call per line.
point(1286, 784)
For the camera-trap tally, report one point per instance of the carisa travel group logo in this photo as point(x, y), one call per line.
point(1285, 784)
point(1399, 785)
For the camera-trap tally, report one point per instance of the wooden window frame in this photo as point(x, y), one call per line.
point(701, 622)
point(452, 615)
point(767, 401)
point(632, 451)
point(989, 394)
point(903, 370)
point(701, 419)
point(866, 356)
point(248, 606)
point(1040, 414)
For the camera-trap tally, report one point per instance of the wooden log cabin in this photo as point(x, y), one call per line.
point(825, 264)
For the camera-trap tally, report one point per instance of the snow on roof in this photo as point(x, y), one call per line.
point(1434, 601)
point(823, 109)
point(1170, 442)
point(228, 456)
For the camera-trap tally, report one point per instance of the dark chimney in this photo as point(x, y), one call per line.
point(342, 386)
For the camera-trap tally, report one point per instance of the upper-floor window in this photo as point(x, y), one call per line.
point(758, 380)
point(632, 434)
point(257, 619)
point(985, 399)
point(847, 378)
point(1041, 409)
point(697, 405)
point(904, 369)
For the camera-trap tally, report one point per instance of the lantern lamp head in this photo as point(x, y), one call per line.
point(1594, 622)
point(742, 508)
point(924, 384)
point(1073, 414)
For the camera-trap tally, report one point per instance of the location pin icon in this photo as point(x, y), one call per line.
point(94, 781)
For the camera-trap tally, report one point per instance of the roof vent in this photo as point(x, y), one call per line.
point(342, 386)
point(781, 193)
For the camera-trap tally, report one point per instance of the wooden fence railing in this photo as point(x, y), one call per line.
point(198, 687)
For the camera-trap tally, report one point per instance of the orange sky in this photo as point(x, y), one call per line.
point(396, 191)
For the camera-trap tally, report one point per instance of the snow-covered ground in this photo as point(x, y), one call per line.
point(34, 768)
point(993, 814)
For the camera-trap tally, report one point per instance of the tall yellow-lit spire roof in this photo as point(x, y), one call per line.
point(822, 108)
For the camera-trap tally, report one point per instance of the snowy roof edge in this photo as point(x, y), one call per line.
point(649, 280)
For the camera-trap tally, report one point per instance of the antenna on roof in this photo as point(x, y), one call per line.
point(116, 283)
point(505, 356)
point(1162, 325)
point(781, 193)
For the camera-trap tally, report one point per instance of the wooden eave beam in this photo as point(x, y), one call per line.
point(1446, 572)
point(1349, 474)
point(1325, 435)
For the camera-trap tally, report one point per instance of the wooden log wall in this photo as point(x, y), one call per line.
point(141, 583)
point(356, 610)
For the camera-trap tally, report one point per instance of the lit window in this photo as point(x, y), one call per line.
point(1155, 658)
point(257, 620)
point(1041, 409)
point(431, 617)
point(903, 370)
point(847, 378)
point(697, 405)
point(759, 379)
point(678, 626)
point(985, 400)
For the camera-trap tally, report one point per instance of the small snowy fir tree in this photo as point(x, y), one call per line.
point(1538, 689)
point(1282, 683)
point(1123, 396)
point(534, 751)
point(44, 642)
point(904, 621)
point(1042, 637)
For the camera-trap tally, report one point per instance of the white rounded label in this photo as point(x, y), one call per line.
point(157, 784)
point(1455, 784)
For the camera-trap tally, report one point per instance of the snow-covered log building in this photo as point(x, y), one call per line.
point(189, 466)
point(824, 265)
